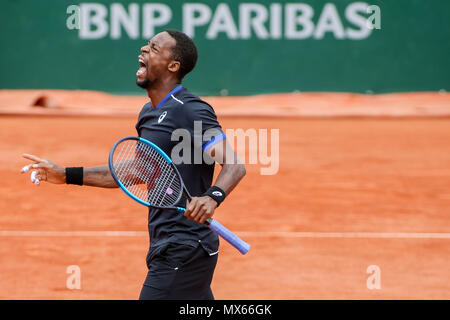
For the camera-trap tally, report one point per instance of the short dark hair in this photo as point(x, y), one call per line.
point(184, 51)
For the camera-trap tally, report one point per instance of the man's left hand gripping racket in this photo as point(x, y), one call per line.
point(146, 174)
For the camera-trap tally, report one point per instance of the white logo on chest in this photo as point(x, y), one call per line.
point(162, 116)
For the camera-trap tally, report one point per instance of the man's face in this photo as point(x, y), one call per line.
point(154, 60)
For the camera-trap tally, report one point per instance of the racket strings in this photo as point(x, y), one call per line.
point(122, 164)
point(167, 190)
point(134, 174)
point(162, 188)
point(146, 174)
point(164, 192)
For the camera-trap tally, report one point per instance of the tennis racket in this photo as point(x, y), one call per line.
point(146, 174)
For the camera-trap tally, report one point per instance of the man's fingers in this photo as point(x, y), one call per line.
point(34, 166)
point(26, 168)
point(187, 212)
point(42, 174)
point(189, 207)
point(34, 177)
point(32, 157)
point(41, 166)
point(204, 217)
point(195, 211)
point(201, 218)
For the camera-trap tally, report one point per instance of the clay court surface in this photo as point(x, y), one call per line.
point(349, 193)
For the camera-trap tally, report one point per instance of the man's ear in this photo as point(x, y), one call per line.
point(174, 66)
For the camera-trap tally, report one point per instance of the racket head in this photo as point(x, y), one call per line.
point(145, 173)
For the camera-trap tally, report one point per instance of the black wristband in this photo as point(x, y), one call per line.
point(74, 175)
point(216, 193)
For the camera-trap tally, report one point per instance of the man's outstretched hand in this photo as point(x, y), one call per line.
point(44, 170)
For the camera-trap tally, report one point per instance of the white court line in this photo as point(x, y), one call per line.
point(244, 234)
point(371, 235)
point(73, 233)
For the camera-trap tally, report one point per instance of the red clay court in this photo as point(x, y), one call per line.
point(363, 180)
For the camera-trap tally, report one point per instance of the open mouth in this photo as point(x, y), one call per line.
point(142, 67)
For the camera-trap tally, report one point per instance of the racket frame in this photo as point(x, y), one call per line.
point(239, 244)
point(164, 155)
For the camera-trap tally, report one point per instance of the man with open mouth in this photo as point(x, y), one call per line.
point(183, 251)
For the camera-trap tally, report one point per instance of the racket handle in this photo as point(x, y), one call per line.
point(229, 236)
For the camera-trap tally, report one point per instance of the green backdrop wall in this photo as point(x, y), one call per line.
point(244, 47)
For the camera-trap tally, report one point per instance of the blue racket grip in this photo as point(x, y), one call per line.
point(229, 236)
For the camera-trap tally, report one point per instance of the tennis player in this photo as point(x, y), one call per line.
point(183, 251)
